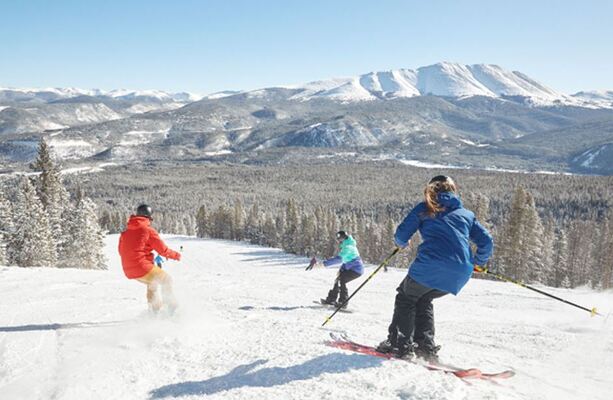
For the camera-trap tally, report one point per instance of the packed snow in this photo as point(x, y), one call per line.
point(248, 329)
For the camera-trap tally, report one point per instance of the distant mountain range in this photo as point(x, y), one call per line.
point(478, 116)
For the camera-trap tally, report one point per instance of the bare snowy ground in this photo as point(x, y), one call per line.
point(248, 329)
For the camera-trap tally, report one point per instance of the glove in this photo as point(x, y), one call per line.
point(178, 257)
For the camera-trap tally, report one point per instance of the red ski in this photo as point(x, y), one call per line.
point(469, 373)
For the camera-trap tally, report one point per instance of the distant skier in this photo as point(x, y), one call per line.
point(351, 268)
point(135, 247)
point(444, 264)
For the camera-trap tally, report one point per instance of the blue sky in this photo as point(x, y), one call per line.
point(207, 46)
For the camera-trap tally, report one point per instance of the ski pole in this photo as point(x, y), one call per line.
point(592, 311)
point(383, 264)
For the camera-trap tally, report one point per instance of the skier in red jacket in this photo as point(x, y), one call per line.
point(135, 248)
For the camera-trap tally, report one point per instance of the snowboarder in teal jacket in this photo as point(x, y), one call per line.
point(444, 264)
point(351, 268)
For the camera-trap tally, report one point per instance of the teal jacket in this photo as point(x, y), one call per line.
point(349, 250)
point(349, 256)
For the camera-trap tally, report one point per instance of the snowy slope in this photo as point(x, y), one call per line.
point(248, 330)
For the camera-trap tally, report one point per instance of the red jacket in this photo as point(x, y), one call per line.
point(135, 245)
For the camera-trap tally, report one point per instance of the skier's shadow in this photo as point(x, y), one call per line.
point(59, 326)
point(242, 376)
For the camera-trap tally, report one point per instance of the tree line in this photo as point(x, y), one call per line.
point(572, 212)
point(527, 247)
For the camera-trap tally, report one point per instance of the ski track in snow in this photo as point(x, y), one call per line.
point(248, 329)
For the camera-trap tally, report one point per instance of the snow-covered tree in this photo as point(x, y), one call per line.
point(292, 224)
point(85, 249)
point(202, 223)
point(32, 242)
point(6, 228)
point(270, 235)
point(53, 196)
point(238, 221)
point(252, 226)
point(606, 260)
point(532, 267)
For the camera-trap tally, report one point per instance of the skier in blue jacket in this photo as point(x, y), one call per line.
point(444, 264)
point(351, 268)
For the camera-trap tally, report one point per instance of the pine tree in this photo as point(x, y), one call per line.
point(49, 178)
point(190, 225)
point(222, 223)
point(32, 241)
point(85, 250)
point(269, 232)
point(307, 234)
point(330, 235)
point(321, 222)
point(280, 227)
point(510, 252)
point(52, 194)
point(6, 228)
point(560, 259)
point(579, 249)
point(387, 240)
point(238, 230)
point(202, 223)
point(290, 236)
point(252, 228)
point(607, 255)
point(532, 268)
point(547, 275)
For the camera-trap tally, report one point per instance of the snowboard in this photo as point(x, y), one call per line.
point(332, 307)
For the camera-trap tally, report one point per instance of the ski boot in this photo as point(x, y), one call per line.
point(327, 302)
point(428, 354)
point(341, 301)
point(405, 351)
point(385, 347)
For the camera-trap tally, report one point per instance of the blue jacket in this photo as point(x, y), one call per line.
point(444, 259)
point(348, 256)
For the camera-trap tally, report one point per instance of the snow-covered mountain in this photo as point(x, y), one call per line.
point(37, 110)
point(45, 95)
point(247, 328)
point(431, 114)
point(600, 98)
point(442, 79)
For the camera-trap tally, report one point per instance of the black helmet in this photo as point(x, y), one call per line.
point(144, 210)
point(341, 235)
point(440, 178)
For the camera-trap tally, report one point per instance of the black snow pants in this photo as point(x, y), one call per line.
point(340, 284)
point(413, 320)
